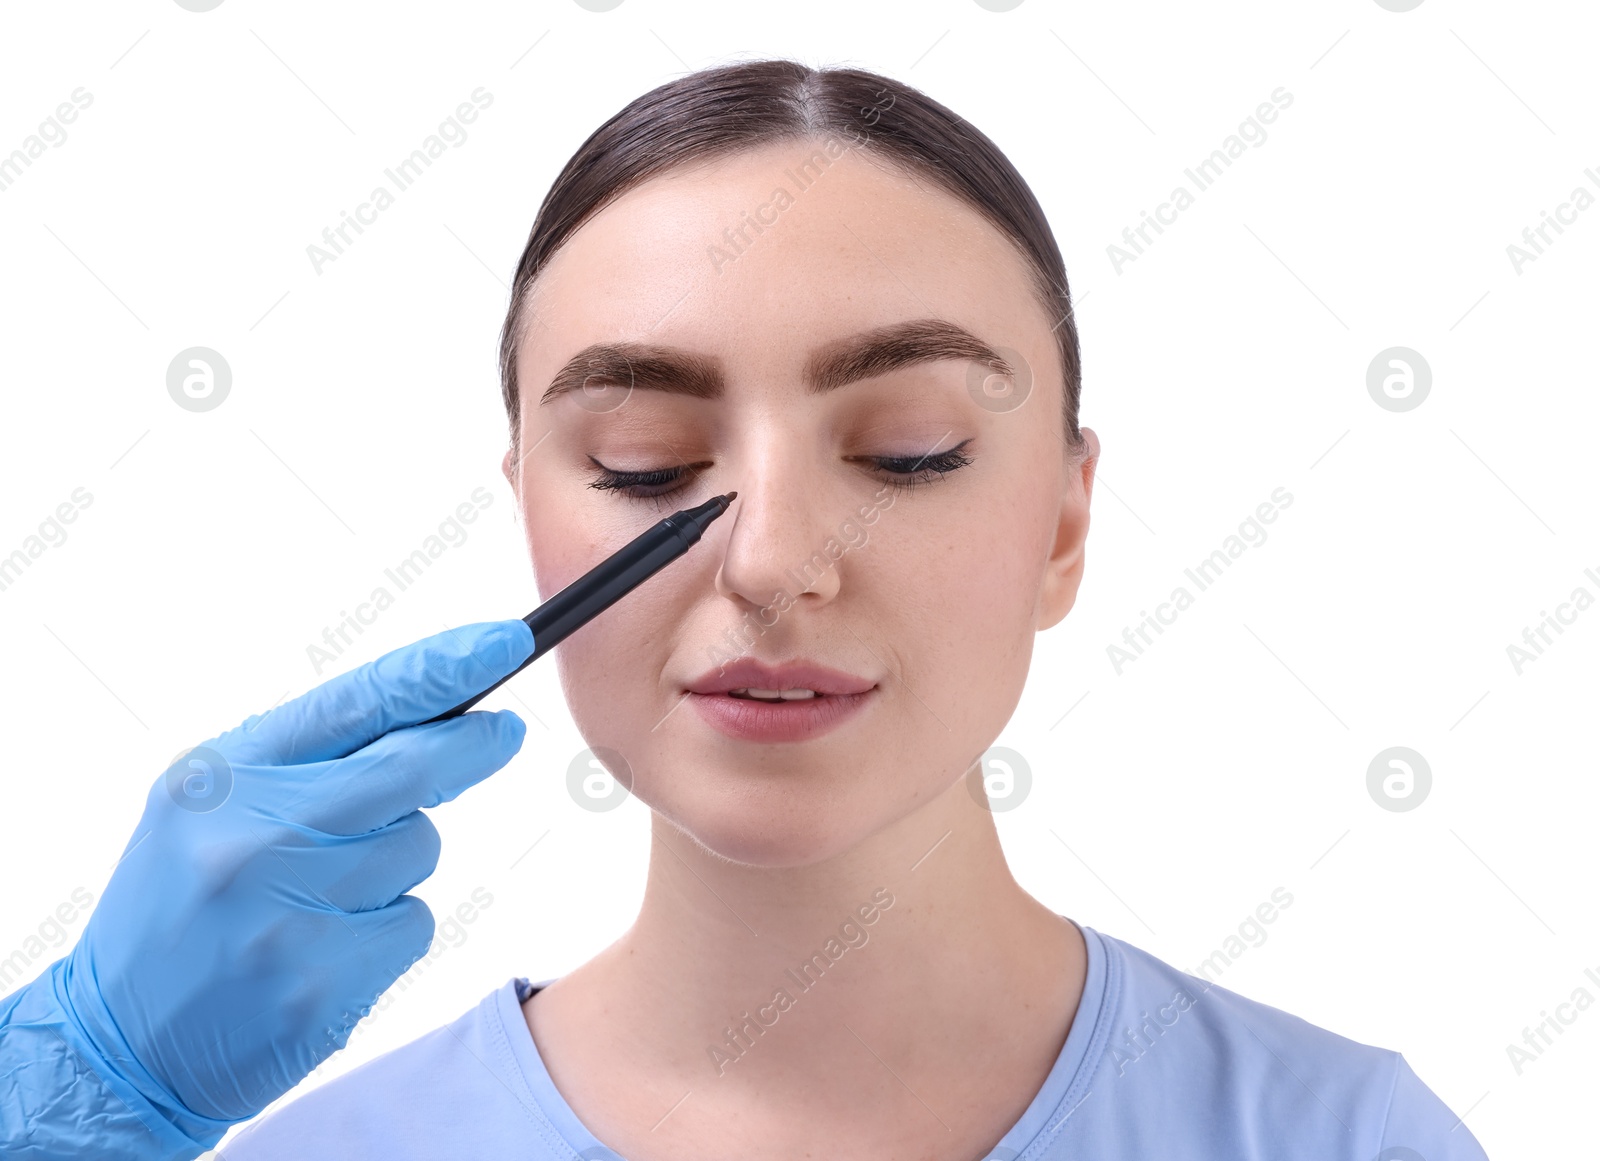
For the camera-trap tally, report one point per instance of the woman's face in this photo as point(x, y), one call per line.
point(907, 517)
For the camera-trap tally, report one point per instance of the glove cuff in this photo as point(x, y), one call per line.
point(92, 1038)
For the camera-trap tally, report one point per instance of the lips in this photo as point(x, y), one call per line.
point(748, 673)
point(791, 702)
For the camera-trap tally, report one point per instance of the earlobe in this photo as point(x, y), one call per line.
point(505, 469)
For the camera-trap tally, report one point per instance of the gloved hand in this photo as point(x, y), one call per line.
point(258, 910)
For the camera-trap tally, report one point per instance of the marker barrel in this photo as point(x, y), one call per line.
point(606, 584)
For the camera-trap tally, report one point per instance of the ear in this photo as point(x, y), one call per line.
point(1064, 569)
point(510, 467)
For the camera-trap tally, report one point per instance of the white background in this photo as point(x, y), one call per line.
point(1228, 360)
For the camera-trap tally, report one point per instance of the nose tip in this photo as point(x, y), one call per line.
point(766, 560)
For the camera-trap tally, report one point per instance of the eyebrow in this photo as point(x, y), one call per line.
point(653, 367)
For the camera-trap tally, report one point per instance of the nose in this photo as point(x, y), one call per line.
point(781, 535)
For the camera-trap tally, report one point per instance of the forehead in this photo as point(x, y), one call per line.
point(773, 250)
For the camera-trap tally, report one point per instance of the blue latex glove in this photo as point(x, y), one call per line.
point(258, 911)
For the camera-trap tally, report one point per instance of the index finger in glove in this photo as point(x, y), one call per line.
point(403, 687)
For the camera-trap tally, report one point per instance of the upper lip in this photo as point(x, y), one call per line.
point(748, 673)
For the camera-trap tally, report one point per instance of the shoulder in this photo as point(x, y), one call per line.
point(1257, 1077)
point(1155, 999)
point(401, 1105)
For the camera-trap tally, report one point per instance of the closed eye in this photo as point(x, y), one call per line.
point(651, 484)
point(659, 483)
point(909, 471)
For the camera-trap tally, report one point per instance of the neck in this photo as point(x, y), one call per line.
point(916, 936)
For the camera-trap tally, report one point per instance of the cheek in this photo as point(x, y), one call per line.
point(611, 668)
point(1007, 566)
point(608, 672)
point(964, 611)
point(974, 582)
point(561, 548)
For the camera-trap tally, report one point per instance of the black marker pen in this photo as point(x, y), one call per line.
point(607, 583)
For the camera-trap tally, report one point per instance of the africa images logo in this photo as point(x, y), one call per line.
point(199, 780)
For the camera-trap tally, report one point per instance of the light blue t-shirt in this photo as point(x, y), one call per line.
point(1158, 1065)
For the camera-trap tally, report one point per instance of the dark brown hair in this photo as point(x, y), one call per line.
point(723, 110)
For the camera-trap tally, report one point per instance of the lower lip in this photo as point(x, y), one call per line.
point(781, 721)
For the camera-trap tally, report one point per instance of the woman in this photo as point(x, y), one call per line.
point(828, 292)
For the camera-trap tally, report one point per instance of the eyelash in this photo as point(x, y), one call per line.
point(903, 472)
